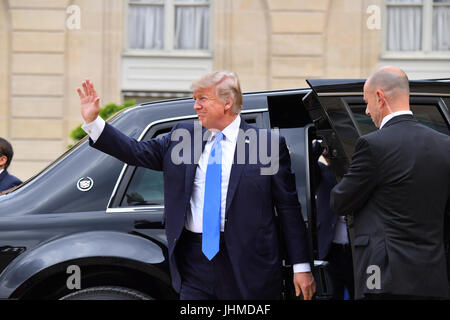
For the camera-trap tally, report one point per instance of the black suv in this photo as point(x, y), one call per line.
point(89, 226)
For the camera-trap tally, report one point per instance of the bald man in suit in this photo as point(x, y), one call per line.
point(398, 190)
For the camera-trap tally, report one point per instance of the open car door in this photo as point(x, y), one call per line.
point(337, 109)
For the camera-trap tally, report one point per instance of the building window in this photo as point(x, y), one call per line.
point(417, 26)
point(151, 96)
point(169, 25)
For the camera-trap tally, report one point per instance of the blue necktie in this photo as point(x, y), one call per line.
point(212, 201)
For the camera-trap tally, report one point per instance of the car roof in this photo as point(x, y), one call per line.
point(245, 95)
point(439, 87)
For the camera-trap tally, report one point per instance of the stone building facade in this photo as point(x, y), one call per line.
point(48, 47)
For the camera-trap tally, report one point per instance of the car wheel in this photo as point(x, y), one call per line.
point(107, 293)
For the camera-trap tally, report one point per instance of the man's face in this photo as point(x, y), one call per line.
point(3, 160)
point(209, 108)
point(373, 106)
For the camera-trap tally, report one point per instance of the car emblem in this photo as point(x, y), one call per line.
point(85, 184)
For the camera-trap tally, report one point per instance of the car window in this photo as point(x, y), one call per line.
point(295, 141)
point(364, 121)
point(146, 186)
point(430, 116)
point(427, 114)
point(344, 127)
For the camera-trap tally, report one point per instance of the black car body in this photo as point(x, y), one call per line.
point(91, 211)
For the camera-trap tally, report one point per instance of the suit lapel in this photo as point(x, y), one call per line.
point(236, 169)
point(191, 168)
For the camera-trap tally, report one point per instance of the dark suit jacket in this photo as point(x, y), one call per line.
point(251, 234)
point(326, 218)
point(8, 181)
point(398, 187)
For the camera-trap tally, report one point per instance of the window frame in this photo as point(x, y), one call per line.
point(427, 33)
point(169, 32)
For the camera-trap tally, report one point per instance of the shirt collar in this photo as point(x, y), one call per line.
point(394, 114)
point(1, 170)
point(231, 131)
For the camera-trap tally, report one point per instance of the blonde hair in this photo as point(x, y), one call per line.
point(227, 86)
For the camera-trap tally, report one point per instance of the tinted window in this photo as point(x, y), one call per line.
point(343, 125)
point(146, 188)
point(430, 116)
point(295, 141)
point(364, 121)
point(426, 114)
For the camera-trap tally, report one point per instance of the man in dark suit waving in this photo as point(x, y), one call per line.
point(220, 220)
point(398, 190)
point(7, 181)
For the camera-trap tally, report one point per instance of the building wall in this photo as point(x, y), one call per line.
point(242, 41)
point(271, 44)
point(298, 41)
point(37, 82)
point(42, 62)
point(277, 44)
point(4, 70)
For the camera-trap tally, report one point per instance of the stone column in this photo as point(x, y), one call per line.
point(94, 52)
point(241, 41)
point(4, 69)
point(45, 59)
point(298, 41)
point(37, 80)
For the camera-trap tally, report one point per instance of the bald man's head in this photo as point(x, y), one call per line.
point(386, 91)
point(393, 81)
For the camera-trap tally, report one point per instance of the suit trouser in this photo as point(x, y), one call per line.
point(202, 279)
point(341, 270)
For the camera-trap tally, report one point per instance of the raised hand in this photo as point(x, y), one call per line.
point(90, 102)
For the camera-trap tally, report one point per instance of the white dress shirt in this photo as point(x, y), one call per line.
point(1, 170)
point(392, 115)
point(94, 129)
point(194, 218)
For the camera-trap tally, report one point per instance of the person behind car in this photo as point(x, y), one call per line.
point(7, 181)
point(332, 236)
point(220, 220)
point(398, 190)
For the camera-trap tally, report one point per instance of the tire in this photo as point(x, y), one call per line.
point(107, 293)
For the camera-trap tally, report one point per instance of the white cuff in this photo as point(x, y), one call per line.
point(302, 267)
point(95, 128)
